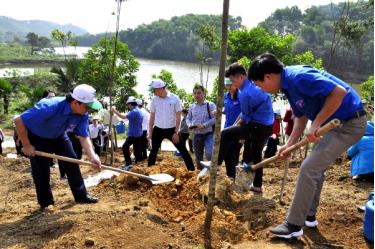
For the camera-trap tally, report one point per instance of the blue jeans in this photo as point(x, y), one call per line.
point(203, 143)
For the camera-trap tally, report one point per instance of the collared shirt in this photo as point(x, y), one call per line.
point(146, 118)
point(50, 118)
point(135, 118)
point(165, 110)
point(94, 130)
point(232, 109)
point(256, 105)
point(201, 114)
point(307, 89)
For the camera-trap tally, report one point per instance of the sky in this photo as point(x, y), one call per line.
point(95, 16)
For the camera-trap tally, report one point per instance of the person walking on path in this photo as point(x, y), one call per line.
point(134, 134)
point(43, 127)
point(165, 119)
point(320, 97)
point(201, 122)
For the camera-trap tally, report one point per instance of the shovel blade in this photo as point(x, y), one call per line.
point(161, 178)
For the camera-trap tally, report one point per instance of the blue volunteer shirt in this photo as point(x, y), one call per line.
point(50, 118)
point(135, 118)
point(307, 89)
point(256, 105)
point(232, 109)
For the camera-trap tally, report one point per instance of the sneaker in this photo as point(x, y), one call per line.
point(311, 221)
point(256, 189)
point(206, 164)
point(202, 173)
point(287, 230)
point(127, 167)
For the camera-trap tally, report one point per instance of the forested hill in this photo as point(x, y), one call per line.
point(11, 28)
point(342, 35)
point(174, 39)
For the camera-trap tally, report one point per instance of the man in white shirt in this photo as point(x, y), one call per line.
point(94, 130)
point(165, 122)
point(145, 122)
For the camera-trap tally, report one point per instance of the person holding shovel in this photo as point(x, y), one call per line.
point(43, 127)
point(320, 97)
point(255, 125)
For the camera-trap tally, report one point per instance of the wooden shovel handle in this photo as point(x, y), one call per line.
point(82, 162)
point(320, 132)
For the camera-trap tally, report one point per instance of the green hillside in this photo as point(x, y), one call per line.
point(11, 28)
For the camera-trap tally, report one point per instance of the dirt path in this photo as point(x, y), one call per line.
point(135, 214)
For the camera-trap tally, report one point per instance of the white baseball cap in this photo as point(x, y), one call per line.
point(139, 101)
point(156, 83)
point(87, 94)
point(131, 99)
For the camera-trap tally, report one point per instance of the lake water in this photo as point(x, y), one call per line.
point(185, 74)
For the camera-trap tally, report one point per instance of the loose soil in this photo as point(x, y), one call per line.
point(133, 213)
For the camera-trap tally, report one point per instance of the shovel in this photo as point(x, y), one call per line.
point(154, 179)
point(320, 132)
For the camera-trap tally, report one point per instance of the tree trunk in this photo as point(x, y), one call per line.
point(6, 103)
point(219, 104)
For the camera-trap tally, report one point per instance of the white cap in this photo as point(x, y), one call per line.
point(139, 101)
point(131, 99)
point(86, 94)
point(157, 83)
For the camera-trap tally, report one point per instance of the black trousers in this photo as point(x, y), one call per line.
point(144, 145)
point(184, 137)
point(158, 135)
point(136, 142)
point(40, 168)
point(271, 147)
point(256, 134)
point(96, 143)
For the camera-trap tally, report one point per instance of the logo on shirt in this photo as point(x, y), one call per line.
point(300, 103)
point(72, 126)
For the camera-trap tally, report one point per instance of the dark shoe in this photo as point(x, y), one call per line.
point(257, 190)
point(88, 199)
point(311, 221)
point(287, 230)
point(46, 206)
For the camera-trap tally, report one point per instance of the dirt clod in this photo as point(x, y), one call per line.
point(89, 242)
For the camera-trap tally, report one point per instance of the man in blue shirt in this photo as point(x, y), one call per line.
point(255, 124)
point(320, 97)
point(134, 135)
point(43, 127)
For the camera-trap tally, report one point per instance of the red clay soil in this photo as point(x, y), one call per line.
point(133, 213)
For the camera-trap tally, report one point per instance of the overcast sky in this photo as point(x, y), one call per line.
point(95, 15)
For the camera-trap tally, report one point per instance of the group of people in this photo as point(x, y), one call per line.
point(250, 120)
